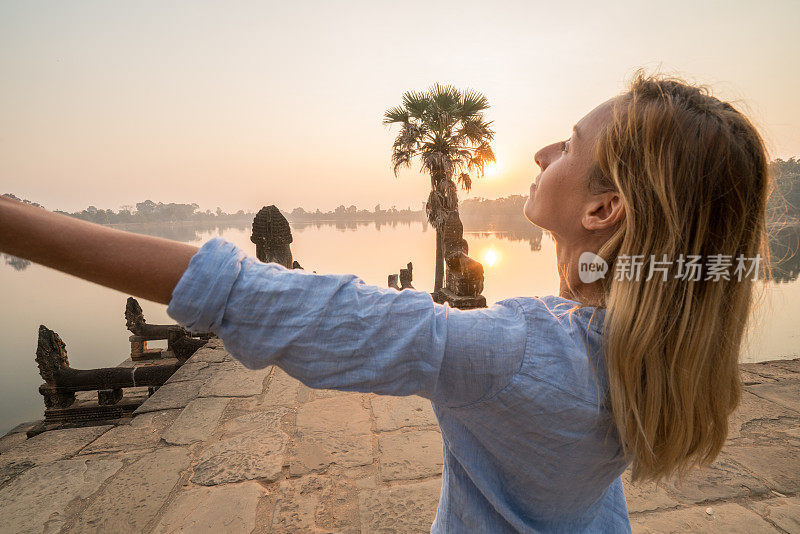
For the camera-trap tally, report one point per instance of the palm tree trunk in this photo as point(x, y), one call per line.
point(439, 279)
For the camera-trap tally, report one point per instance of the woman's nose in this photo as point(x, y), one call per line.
point(541, 158)
point(544, 156)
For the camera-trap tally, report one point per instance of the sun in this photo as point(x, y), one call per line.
point(492, 169)
point(490, 257)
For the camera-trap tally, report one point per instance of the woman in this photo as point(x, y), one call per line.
point(542, 402)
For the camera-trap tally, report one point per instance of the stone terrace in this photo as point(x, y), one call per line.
point(220, 448)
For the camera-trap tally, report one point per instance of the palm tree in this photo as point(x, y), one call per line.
point(445, 127)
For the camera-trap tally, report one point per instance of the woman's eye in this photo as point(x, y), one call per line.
point(565, 145)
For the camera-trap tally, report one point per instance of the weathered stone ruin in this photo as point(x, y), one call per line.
point(273, 237)
point(180, 342)
point(62, 382)
point(463, 275)
point(404, 279)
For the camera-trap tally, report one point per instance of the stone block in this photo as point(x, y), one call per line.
point(281, 389)
point(404, 508)
point(333, 430)
point(11, 469)
point(410, 455)
point(257, 454)
point(645, 496)
point(337, 509)
point(724, 479)
point(235, 382)
point(192, 370)
point(778, 466)
point(197, 421)
point(769, 371)
point(23, 427)
point(37, 500)
point(296, 505)
point(9, 441)
point(392, 413)
point(211, 354)
point(266, 420)
point(784, 512)
point(143, 432)
point(171, 396)
point(132, 498)
point(793, 366)
point(753, 408)
point(228, 509)
point(53, 445)
point(726, 518)
point(787, 394)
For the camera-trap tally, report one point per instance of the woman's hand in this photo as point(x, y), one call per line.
point(142, 266)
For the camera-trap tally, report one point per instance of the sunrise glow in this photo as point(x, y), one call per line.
point(490, 257)
point(492, 170)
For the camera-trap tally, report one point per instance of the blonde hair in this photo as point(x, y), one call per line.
point(692, 173)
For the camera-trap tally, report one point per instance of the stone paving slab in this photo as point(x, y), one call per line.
point(783, 512)
point(197, 421)
point(399, 508)
point(53, 445)
point(393, 413)
point(130, 501)
point(220, 448)
point(143, 432)
point(727, 518)
point(332, 430)
point(257, 454)
point(171, 396)
point(39, 498)
point(410, 455)
point(226, 509)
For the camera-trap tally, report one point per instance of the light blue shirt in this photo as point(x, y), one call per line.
point(518, 388)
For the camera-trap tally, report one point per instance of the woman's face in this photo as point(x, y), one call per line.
point(559, 195)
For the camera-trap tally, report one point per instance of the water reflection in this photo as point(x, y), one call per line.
point(90, 318)
point(490, 257)
point(784, 244)
point(784, 241)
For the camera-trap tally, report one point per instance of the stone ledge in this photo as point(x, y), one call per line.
point(255, 451)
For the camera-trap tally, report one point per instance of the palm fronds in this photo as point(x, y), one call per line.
point(444, 127)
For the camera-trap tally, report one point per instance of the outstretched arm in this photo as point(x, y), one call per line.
point(143, 266)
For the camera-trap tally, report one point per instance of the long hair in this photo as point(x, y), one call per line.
point(693, 176)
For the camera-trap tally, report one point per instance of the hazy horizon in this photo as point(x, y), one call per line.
point(237, 105)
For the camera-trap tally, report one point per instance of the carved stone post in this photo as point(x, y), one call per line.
point(272, 237)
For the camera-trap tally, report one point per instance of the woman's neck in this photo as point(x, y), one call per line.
point(571, 287)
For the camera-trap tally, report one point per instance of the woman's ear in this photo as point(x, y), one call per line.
point(603, 212)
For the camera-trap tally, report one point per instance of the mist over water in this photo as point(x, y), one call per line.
point(518, 261)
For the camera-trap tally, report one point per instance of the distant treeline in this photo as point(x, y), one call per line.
point(503, 212)
point(151, 212)
point(503, 215)
point(352, 213)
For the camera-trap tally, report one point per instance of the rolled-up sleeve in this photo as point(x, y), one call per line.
point(336, 332)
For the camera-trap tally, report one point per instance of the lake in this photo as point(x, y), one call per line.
point(517, 262)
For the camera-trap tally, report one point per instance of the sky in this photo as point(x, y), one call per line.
point(242, 104)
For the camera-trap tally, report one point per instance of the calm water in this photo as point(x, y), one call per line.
point(90, 319)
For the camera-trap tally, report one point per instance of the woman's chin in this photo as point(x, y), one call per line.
point(529, 211)
point(534, 219)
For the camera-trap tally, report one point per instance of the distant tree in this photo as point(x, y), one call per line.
point(446, 129)
point(785, 198)
point(146, 208)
